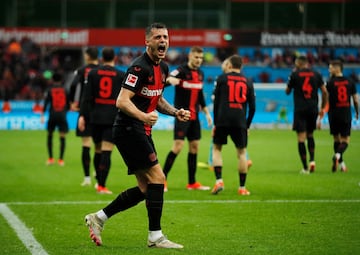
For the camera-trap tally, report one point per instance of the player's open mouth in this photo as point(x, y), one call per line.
point(161, 49)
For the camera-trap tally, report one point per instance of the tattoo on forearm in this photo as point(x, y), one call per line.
point(165, 108)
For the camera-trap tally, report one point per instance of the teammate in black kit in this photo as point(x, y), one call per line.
point(306, 82)
point(98, 106)
point(234, 109)
point(58, 102)
point(76, 92)
point(140, 96)
point(188, 79)
point(340, 90)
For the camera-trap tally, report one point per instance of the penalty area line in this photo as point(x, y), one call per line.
point(22, 231)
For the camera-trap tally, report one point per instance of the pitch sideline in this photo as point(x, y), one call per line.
point(22, 231)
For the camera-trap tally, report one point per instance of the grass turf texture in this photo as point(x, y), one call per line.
point(287, 213)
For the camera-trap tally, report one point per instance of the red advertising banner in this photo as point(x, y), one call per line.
point(111, 37)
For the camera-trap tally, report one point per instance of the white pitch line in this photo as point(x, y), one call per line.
point(22, 231)
point(197, 202)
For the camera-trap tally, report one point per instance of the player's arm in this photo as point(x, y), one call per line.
point(124, 103)
point(289, 85)
point(324, 100)
point(46, 104)
point(251, 103)
point(164, 107)
point(356, 105)
point(174, 79)
point(204, 108)
point(85, 104)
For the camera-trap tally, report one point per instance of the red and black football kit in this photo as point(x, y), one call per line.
point(234, 108)
point(98, 104)
point(132, 137)
point(340, 91)
point(190, 96)
point(76, 93)
point(58, 103)
point(305, 83)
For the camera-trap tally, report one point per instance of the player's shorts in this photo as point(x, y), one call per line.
point(86, 132)
point(189, 129)
point(102, 133)
point(305, 121)
point(238, 136)
point(339, 126)
point(136, 148)
point(59, 122)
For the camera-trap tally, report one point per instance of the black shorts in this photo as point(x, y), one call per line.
point(59, 122)
point(339, 126)
point(189, 129)
point(305, 121)
point(102, 133)
point(136, 148)
point(86, 132)
point(238, 136)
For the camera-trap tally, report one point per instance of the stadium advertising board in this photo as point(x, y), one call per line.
point(112, 37)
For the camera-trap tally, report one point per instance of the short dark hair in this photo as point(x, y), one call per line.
point(156, 25)
point(92, 52)
point(337, 62)
point(236, 61)
point(302, 58)
point(108, 54)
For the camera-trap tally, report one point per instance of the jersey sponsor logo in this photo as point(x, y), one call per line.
point(192, 85)
point(150, 92)
point(131, 80)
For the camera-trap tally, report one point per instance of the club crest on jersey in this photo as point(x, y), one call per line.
point(131, 80)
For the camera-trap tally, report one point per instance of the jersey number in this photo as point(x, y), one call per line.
point(237, 91)
point(58, 99)
point(106, 84)
point(307, 88)
point(342, 94)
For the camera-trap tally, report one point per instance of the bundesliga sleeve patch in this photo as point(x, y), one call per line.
point(131, 80)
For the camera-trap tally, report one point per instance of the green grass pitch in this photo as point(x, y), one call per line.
point(286, 213)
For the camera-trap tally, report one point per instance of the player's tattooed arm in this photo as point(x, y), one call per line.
point(165, 108)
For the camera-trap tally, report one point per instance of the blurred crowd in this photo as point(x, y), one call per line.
point(26, 67)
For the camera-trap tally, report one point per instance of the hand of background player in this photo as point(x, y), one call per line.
point(151, 118)
point(182, 115)
point(81, 123)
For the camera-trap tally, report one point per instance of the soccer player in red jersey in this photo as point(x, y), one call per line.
point(305, 82)
point(58, 102)
point(188, 81)
point(234, 109)
point(340, 90)
point(76, 93)
point(98, 107)
point(140, 97)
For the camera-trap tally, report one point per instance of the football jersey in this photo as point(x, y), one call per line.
point(147, 80)
point(305, 83)
point(100, 93)
point(77, 85)
point(189, 93)
point(233, 94)
point(340, 90)
point(57, 100)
